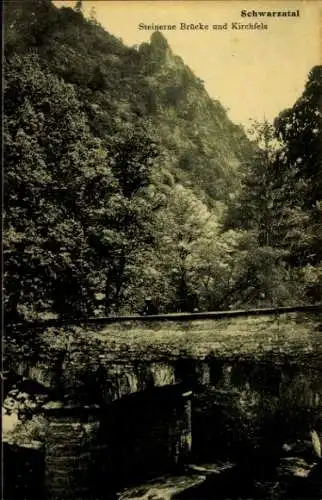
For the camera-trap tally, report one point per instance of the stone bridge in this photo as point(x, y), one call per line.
point(133, 394)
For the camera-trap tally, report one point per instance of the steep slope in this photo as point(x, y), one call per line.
point(118, 168)
point(120, 86)
point(206, 147)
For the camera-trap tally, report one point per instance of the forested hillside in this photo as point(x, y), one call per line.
point(125, 179)
point(118, 86)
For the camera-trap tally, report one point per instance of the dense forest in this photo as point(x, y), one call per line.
point(124, 179)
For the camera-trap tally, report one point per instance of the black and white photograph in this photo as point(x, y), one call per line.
point(162, 250)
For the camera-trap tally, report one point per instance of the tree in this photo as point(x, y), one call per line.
point(53, 167)
point(126, 230)
point(73, 212)
point(180, 223)
point(193, 256)
point(270, 212)
point(300, 129)
point(257, 205)
point(279, 200)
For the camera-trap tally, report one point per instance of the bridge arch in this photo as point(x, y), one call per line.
point(138, 436)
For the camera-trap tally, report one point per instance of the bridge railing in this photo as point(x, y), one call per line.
point(177, 317)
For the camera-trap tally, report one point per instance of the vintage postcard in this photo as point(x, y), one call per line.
point(162, 250)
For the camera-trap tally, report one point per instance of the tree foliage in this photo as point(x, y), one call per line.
point(119, 167)
point(279, 201)
point(72, 205)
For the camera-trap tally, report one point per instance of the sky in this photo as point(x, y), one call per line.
point(255, 74)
